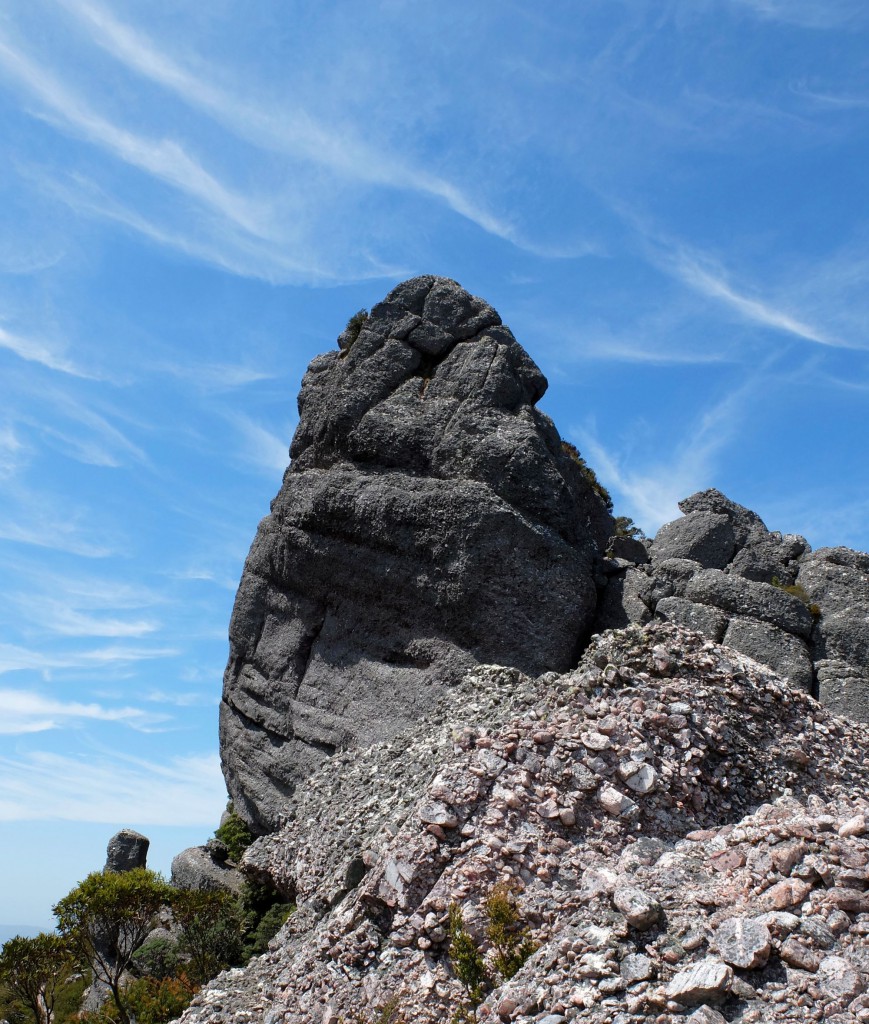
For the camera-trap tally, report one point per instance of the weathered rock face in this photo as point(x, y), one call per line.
point(719, 570)
point(429, 520)
point(198, 868)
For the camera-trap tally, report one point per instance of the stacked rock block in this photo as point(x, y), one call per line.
point(719, 570)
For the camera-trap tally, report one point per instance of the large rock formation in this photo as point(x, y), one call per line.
point(430, 519)
point(718, 569)
point(683, 826)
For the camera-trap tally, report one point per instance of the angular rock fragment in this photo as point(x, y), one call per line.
point(743, 943)
point(640, 909)
point(705, 982)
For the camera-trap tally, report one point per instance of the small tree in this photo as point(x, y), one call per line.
point(107, 917)
point(468, 963)
point(211, 927)
point(33, 968)
point(508, 934)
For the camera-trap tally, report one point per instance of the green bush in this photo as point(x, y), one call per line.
point(235, 834)
point(67, 1001)
point(158, 1000)
point(211, 931)
point(156, 959)
point(353, 329)
point(106, 919)
point(266, 928)
point(468, 963)
point(510, 945)
point(626, 527)
point(32, 969)
point(508, 934)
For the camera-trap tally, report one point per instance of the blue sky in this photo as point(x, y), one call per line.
point(666, 201)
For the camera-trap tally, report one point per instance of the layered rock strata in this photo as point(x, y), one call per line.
point(429, 519)
point(718, 569)
point(686, 834)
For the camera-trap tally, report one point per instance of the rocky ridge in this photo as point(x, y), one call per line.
point(719, 569)
point(686, 832)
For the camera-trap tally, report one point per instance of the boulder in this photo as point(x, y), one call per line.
point(711, 622)
point(704, 537)
point(844, 689)
point(769, 557)
point(625, 599)
point(782, 652)
point(430, 518)
point(195, 868)
point(743, 943)
point(836, 581)
point(754, 600)
point(747, 526)
point(127, 850)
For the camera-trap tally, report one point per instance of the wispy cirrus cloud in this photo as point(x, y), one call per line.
point(817, 14)
point(111, 788)
point(164, 159)
point(24, 711)
point(223, 245)
point(831, 100)
point(260, 447)
point(42, 530)
point(217, 377)
point(58, 617)
point(14, 657)
point(33, 350)
point(293, 131)
point(12, 449)
point(653, 487)
point(703, 276)
point(185, 699)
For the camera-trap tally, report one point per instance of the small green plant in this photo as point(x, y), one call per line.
point(798, 591)
point(572, 452)
point(235, 834)
point(159, 1000)
point(352, 330)
point(264, 910)
point(468, 963)
point(510, 945)
point(389, 1013)
point(508, 934)
point(157, 958)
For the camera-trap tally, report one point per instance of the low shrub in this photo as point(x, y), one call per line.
point(572, 452)
point(798, 591)
point(234, 834)
point(159, 1000)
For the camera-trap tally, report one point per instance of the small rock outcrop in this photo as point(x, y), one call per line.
point(719, 570)
point(127, 850)
point(204, 867)
point(430, 519)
